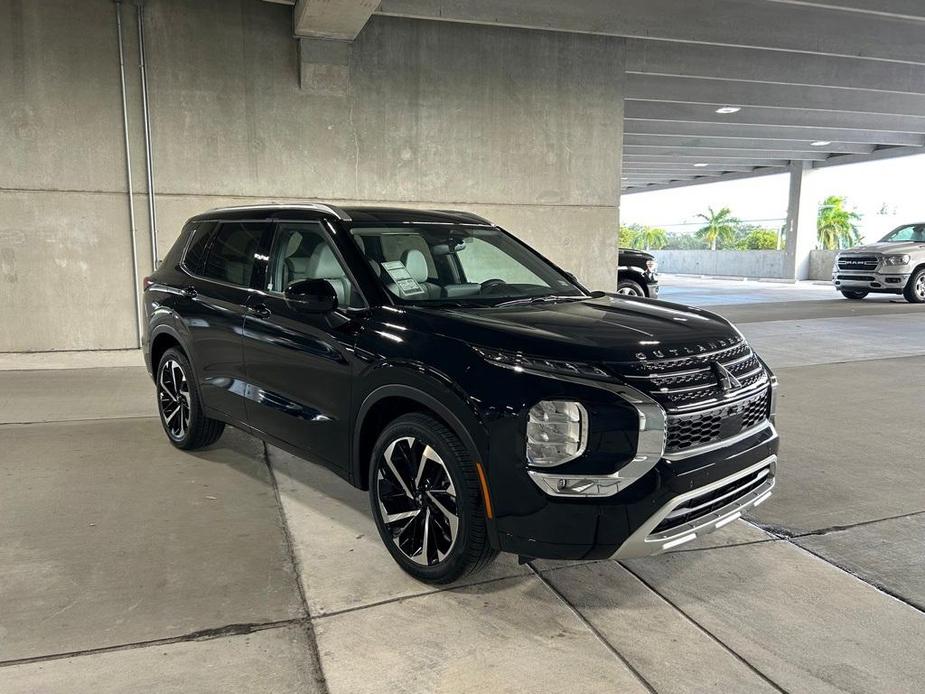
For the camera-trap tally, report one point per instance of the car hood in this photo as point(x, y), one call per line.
point(611, 329)
point(888, 248)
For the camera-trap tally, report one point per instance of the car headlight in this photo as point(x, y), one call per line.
point(557, 432)
point(652, 266)
point(896, 259)
point(520, 362)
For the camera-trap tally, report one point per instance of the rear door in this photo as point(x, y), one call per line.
point(301, 364)
point(223, 269)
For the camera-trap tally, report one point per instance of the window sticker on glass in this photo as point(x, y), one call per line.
point(407, 285)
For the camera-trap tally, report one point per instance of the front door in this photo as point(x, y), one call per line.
point(300, 365)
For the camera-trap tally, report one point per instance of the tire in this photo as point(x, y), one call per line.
point(914, 290)
point(854, 294)
point(630, 288)
point(179, 404)
point(417, 464)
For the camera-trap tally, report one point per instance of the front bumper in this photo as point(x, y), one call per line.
point(887, 282)
point(632, 522)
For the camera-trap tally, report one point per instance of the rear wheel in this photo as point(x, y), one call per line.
point(426, 499)
point(853, 294)
point(179, 404)
point(915, 287)
point(630, 288)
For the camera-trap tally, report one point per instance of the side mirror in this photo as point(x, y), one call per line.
point(311, 296)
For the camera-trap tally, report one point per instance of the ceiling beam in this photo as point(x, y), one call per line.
point(768, 133)
point(719, 179)
point(738, 93)
point(781, 67)
point(332, 19)
point(757, 115)
point(686, 142)
point(725, 161)
point(755, 23)
point(725, 153)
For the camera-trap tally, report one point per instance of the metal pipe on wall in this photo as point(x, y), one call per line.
point(128, 173)
point(149, 158)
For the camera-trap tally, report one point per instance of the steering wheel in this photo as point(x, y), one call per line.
point(490, 286)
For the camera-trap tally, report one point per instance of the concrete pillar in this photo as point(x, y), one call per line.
point(324, 66)
point(802, 210)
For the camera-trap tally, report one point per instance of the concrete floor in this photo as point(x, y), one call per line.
point(126, 565)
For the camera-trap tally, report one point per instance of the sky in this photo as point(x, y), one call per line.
point(886, 193)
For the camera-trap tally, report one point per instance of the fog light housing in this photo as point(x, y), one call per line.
point(557, 432)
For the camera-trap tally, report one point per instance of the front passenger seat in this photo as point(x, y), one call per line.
point(416, 265)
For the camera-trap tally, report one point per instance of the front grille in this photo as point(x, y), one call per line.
point(686, 431)
point(684, 382)
point(855, 278)
point(858, 262)
point(709, 502)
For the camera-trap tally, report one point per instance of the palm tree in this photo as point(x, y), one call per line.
point(651, 238)
point(720, 226)
point(837, 227)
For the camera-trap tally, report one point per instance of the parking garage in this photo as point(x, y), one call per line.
point(129, 565)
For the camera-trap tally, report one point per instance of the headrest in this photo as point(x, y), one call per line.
point(416, 264)
point(323, 263)
point(295, 241)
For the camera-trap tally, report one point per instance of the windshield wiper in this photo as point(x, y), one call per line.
point(544, 299)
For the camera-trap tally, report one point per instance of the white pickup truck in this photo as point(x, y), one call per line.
point(893, 265)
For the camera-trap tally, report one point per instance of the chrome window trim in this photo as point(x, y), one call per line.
point(315, 206)
point(641, 544)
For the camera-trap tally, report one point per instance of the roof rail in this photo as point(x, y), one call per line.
point(317, 206)
point(470, 215)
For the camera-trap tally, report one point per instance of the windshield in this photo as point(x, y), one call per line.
point(912, 233)
point(465, 265)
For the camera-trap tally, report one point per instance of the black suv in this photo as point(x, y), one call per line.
point(637, 274)
point(486, 400)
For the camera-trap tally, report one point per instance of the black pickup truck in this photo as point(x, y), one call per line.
point(637, 274)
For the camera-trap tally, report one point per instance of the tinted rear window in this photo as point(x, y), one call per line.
point(231, 254)
point(196, 252)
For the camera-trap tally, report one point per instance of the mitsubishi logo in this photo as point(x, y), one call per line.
point(725, 379)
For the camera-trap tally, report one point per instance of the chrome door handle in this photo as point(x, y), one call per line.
point(189, 292)
point(260, 310)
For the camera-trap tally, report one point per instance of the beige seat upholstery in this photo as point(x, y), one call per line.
point(323, 265)
point(416, 265)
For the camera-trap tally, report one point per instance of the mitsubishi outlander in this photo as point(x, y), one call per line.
point(486, 400)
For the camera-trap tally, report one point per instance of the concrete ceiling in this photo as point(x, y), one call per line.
point(824, 81)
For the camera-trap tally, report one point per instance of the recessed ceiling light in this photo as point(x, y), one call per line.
point(701, 165)
point(729, 109)
point(820, 143)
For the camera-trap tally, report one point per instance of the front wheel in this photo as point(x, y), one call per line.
point(179, 405)
point(853, 294)
point(630, 288)
point(915, 287)
point(425, 496)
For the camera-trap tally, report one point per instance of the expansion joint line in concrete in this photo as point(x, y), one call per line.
point(706, 631)
point(200, 635)
point(314, 653)
point(594, 630)
point(880, 588)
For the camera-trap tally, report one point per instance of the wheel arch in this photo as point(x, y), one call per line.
point(388, 402)
point(164, 338)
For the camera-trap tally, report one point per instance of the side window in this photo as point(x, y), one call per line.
point(231, 254)
point(196, 252)
point(482, 261)
point(301, 251)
